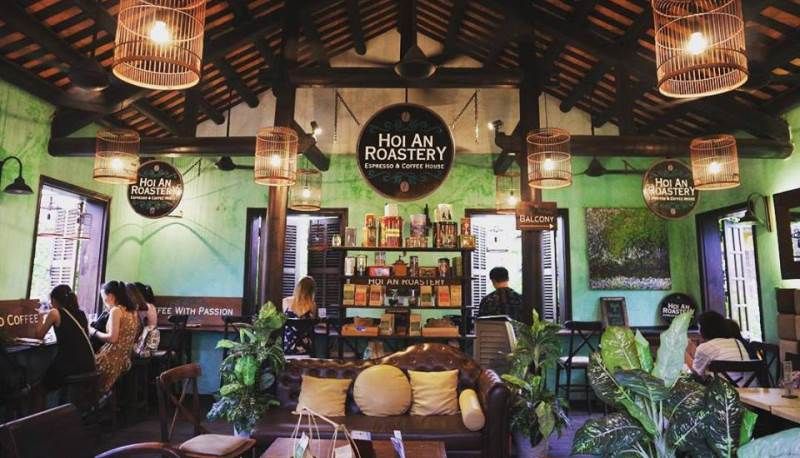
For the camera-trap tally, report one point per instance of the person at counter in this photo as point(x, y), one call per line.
point(114, 357)
point(718, 344)
point(149, 336)
point(75, 354)
point(503, 300)
point(300, 305)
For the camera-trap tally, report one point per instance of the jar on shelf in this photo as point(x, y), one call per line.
point(350, 236)
point(349, 266)
point(400, 268)
point(444, 267)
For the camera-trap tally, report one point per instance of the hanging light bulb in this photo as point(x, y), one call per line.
point(160, 34)
point(306, 194)
point(549, 158)
point(276, 156)
point(715, 162)
point(697, 43)
point(316, 130)
point(506, 192)
point(116, 157)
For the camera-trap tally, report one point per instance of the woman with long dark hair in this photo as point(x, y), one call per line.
point(75, 355)
point(114, 357)
point(149, 336)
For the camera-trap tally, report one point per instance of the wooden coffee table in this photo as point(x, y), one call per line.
point(282, 448)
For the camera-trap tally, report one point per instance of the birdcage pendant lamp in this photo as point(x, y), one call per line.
point(82, 228)
point(507, 192)
point(715, 162)
point(116, 157)
point(159, 43)
point(699, 47)
point(549, 158)
point(305, 194)
point(276, 156)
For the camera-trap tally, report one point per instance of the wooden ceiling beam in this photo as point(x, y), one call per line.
point(356, 31)
point(236, 83)
point(364, 77)
point(624, 102)
point(557, 46)
point(505, 32)
point(241, 12)
point(208, 109)
point(152, 113)
point(312, 34)
point(188, 125)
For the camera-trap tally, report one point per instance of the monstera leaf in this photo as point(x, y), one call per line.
point(783, 444)
point(669, 362)
point(609, 391)
point(748, 425)
point(686, 394)
point(618, 347)
point(725, 417)
point(643, 384)
point(607, 436)
point(643, 350)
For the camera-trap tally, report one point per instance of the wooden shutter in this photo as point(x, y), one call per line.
point(288, 279)
point(549, 277)
point(326, 266)
point(480, 276)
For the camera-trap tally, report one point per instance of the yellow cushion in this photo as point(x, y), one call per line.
point(325, 396)
point(381, 391)
point(434, 393)
point(471, 412)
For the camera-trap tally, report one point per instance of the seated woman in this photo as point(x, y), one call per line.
point(123, 325)
point(149, 336)
point(718, 344)
point(300, 305)
point(75, 355)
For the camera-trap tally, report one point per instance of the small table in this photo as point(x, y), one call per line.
point(767, 398)
point(282, 448)
point(789, 413)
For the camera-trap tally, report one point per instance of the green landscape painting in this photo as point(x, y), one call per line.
point(628, 249)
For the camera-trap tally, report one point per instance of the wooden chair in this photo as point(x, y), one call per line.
point(580, 335)
point(737, 372)
point(50, 433)
point(769, 353)
point(795, 360)
point(203, 444)
point(143, 448)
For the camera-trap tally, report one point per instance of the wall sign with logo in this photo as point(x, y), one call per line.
point(20, 318)
point(158, 189)
point(536, 216)
point(405, 151)
point(204, 311)
point(675, 304)
point(668, 189)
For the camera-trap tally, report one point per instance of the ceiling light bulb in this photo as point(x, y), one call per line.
point(317, 131)
point(512, 200)
point(275, 160)
point(306, 193)
point(697, 43)
point(548, 165)
point(159, 33)
point(116, 164)
point(490, 125)
point(714, 168)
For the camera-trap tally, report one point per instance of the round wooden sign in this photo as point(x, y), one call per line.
point(158, 189)
point(668, 189)
point(675, 304)
point(405, 151)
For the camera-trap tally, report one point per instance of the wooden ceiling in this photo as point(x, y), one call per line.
point(599, 51)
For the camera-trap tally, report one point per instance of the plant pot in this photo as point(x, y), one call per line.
point(245, 434)
point(522, 444)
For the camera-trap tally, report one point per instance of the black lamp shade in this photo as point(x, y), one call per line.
point(18, 187)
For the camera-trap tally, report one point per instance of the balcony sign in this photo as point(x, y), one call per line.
point(158, 189)
point(405, 151)
point(668, 189)
point(536, 216)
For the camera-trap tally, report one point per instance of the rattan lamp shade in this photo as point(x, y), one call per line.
point(276, 156)
point(51, 219)
point(700, 47)
point(506, 195)
point(549, 158)
point(715, 162)
point(159, 43)
point(116, 157)
point(305, 195)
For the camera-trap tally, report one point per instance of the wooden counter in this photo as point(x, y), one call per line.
point(767, 398)
point(789, 413)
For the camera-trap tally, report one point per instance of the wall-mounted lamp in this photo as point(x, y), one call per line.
point(18, 186)
point(496, 125)
point(316, 130)
point(226, 164)
point(751, 217)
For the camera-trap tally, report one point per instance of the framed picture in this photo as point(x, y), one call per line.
point(614, 311)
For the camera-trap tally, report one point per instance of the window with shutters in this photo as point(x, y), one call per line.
point(69, 243)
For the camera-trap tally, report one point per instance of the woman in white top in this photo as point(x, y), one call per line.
point(718, 345)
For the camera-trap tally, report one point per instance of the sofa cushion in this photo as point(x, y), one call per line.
point(434, 392)
point(447, 428)
point(216, 445)
point(382, 390)
point(325, 396)
point(471, 412)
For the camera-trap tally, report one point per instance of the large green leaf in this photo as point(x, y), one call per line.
point(618, 347)
point(607, 436)
point(748, 425)
point(544, 413)
point(784, 444)
point(609, 391)
point(225, 343)
point(229, 389)
point(246, 369)
point(686, 429)
point(686, 394)
point(643, 384)
point(724, 421)
point(672, 347)
point(643, 350)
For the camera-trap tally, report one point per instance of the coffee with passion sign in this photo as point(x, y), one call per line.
point(405, 151)
point(158, 189)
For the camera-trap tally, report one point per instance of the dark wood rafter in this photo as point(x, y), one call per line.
point(188, 126)
point(624, 102)
point(365, 77)
point(580, 14)
point(241, 12)
point(236, 83)
point(453, 27)
point(207, 109)
point(312, 35)
point(356, 31)
point(504, 33)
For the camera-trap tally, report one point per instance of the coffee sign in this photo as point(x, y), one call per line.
point(20, 318)
point(158, 189)
point(668, 189)
point(675, 304)
point(536, 216)
point(405, 151)
point(205, 311)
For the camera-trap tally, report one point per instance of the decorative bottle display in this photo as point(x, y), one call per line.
point(466, 239)
point(391, 231)
point(350, 236)
point(445, 230)
point(370, 231)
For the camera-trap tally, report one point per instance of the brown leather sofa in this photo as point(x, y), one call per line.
point(491, 442)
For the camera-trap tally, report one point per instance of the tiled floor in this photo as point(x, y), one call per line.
point(561, 447)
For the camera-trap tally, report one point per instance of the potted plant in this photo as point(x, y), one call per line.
point(536, 411)
point(249, 371)
point(660, 410)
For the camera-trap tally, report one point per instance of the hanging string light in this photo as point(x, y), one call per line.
point(276, 156)
point(306, 193)
point(51, 220)
point(507, 194)
point(159, 43)
point(715, 162)
point(700, 47)
point(549, 157)
point(116, 157)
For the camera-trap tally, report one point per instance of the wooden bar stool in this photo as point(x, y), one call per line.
point(580, 334)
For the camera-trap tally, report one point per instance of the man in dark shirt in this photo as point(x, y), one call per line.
point(503, 300)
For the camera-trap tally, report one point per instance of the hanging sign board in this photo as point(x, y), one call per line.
point(405, 151)
point(675, 304)
point(158, 189)
point(20, 318)
point(668, 189)
point(205, 311)
point(533, 216)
